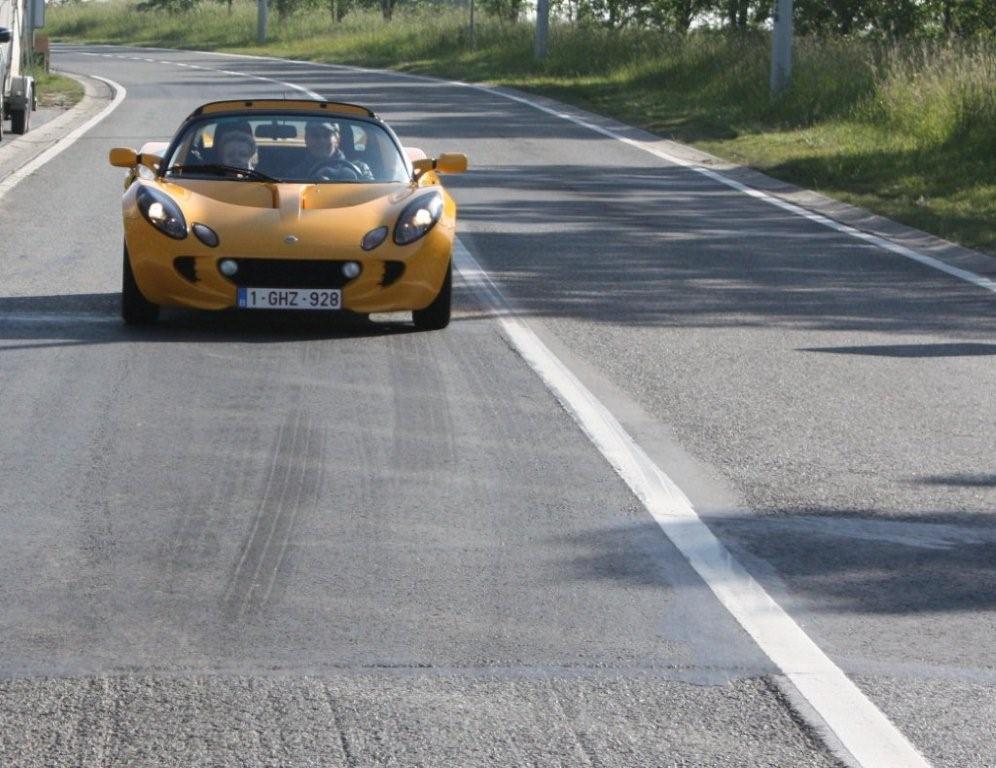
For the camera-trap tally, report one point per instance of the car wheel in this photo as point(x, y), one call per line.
point(20, 120)
point(436, 316)
point(135, 308)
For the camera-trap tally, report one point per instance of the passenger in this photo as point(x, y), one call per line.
point(238, 150)
point(222, 131)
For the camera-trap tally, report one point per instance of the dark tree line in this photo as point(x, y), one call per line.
point(893, 18)
point(885, 18)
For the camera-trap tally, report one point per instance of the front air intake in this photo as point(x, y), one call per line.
point(393, 270)
point(186, 267)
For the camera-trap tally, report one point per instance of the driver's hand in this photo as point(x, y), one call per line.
point(337, 173)
point(364, 169)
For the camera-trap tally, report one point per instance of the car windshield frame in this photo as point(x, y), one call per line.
point(192, 123)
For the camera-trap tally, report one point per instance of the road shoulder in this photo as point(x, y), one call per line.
point(18, 151)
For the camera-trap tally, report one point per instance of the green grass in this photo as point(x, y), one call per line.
point(55, 90)
point(904, 130)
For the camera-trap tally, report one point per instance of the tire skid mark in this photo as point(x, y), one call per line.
point(313, 474)
point(193, 539)
point(423, 425)
point(294, 482)
point(268, 518)
point(98, 544)
point(587, 755)
point(260, 546)
point(237, 575)
point(244, 551)
point(504, 425)
point(340, 727)
point(493, 406)
point(506, 736)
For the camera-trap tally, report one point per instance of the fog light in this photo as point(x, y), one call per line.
point(228, 267)
point(350, 269)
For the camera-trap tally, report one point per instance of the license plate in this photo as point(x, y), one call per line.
point(290, 298)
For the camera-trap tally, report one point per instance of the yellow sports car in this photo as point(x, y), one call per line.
point(288, 205)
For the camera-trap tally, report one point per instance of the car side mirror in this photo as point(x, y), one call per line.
point(123, 157)
point(4, 35)
point(451, 162)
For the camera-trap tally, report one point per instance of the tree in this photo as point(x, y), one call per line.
point(823, 17)
point(167, 5)
point(681, 13)
point(736, 14)
point(900, 18)
point(966, 18)
point(285, 7)
point(338, 9)
point(503, 10)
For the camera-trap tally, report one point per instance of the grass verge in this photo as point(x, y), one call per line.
point(56, 90)
point(905, 130)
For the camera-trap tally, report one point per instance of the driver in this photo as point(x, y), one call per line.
point(323, 158)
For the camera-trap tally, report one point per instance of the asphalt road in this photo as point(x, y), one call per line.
point(231, 541)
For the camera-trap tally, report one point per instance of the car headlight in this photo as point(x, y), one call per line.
point(418, 217)
point(161, 212)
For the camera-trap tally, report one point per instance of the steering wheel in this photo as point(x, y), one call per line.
point(336, 170)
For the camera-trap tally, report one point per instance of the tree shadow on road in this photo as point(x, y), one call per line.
point(863, 564)
point(644, 247)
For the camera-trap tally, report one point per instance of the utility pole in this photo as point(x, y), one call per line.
point(261, 14)
point(542, 29)
point(36, 20)
point(781, 47)
point(473, 40)
point(28, 49)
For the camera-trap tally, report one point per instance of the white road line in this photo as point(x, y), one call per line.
point(57, 318)
point(862, 729)
point(66, 141)
point(293, 86)
point(309, 93)
point(880, 242)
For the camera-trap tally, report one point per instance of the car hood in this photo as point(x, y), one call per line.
point(254, 216)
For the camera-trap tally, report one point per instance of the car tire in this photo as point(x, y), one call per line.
point(135, 308)
point(436, 316)
point(20, 120)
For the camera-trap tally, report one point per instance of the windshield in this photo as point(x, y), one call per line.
point(288, 148)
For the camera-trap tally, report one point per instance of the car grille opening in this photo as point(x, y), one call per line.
point(289, 273)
